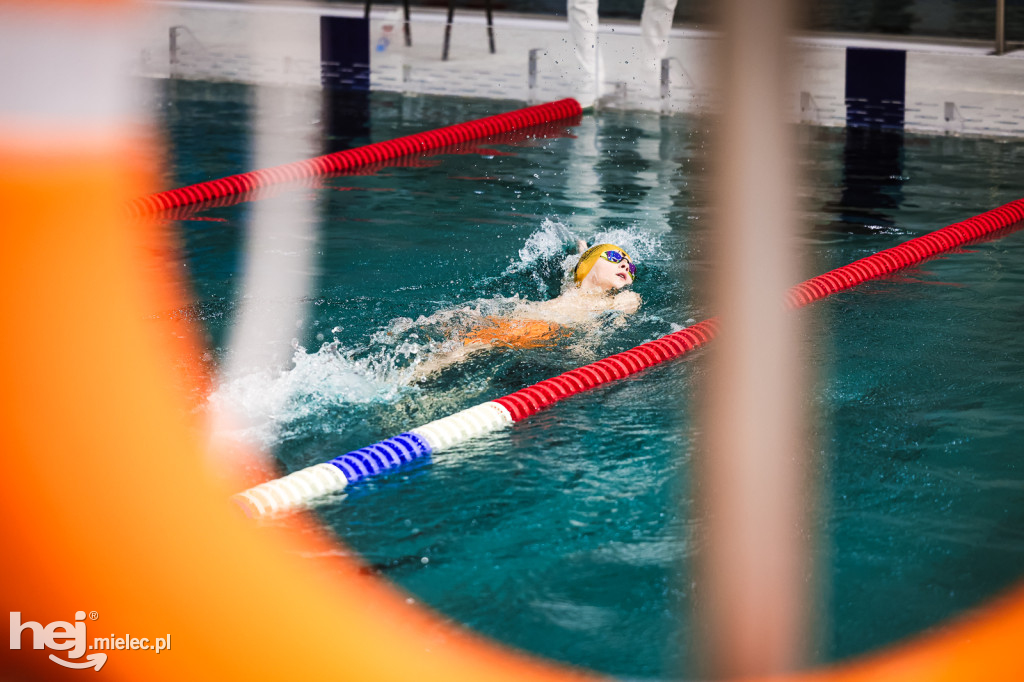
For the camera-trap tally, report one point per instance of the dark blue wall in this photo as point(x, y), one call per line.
point(345, 53)
point(876, 92)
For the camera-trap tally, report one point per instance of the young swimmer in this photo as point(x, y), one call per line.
point(600, 276)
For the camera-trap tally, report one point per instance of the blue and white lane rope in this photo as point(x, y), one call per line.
point(301, 487)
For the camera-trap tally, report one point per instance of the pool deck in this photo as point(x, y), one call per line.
point(956, 87)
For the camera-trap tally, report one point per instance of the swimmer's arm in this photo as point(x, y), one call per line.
point(441, 360)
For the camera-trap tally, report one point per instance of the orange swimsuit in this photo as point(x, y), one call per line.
point(516, 333)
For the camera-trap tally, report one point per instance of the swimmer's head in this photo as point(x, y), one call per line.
point(605, 267)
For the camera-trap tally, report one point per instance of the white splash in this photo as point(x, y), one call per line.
point(266, 402)
point(270, 405)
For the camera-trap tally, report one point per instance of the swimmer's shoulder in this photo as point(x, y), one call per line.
point(627, 301)
point(624, 301)
point(574, 307)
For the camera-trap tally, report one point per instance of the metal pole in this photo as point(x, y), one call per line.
point(490, 24)
point(448, 30)
point(532, 75)
point(1000, 27)
point(174, 46)
point(405, 23)
point(666, 107)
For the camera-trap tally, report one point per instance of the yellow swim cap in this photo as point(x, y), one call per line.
point(590, 257)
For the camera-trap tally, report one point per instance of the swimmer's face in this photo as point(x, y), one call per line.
point(607, 276)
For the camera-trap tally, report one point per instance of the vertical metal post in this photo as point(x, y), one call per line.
point(1000, 27)
point(448, 30)
point(666, 105)
point(408, 84)
point(490, 24)
point(808, 108)
point(174, 46)
point(953, 118)
point(531, 81)
point(406, 24)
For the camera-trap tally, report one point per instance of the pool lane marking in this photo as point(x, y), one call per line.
point(301, 487)
point(349, 159)
point(297, 489)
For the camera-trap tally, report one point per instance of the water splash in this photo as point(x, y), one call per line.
point(641, 244)
point(549, 256)
point(274, 405)
point(270, 403)
point(269, 406)
point(543, 259)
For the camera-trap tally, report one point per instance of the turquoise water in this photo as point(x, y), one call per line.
point(569, 535)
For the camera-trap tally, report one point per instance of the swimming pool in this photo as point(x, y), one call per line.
point(567, 535)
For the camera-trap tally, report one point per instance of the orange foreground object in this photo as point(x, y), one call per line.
point(107, 508)
point(106, 505)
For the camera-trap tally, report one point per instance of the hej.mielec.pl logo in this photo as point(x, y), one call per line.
point(73, 638)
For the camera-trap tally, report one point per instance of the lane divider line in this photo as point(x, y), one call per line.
point(285, 494)
point(350, 159)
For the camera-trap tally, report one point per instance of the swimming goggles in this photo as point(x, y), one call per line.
point(613, 256)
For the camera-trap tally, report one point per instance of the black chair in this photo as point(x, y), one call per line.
point(448, 27)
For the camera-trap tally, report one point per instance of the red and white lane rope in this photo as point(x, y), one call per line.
point(301, 487)
point(350, 159)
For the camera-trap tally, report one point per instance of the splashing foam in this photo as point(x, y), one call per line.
point(266, 403)
point(641, 245)
point(542, 257)
point(269, 405)
point(266, 406)
point(550, 251)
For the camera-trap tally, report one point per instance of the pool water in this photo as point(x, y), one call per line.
point(569, 535)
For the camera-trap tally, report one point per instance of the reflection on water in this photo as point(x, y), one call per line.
point(872, 181)
point(345, 120)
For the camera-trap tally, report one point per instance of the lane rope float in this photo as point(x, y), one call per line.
point(553, 129)
point(350, 159)
point(301, 487)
